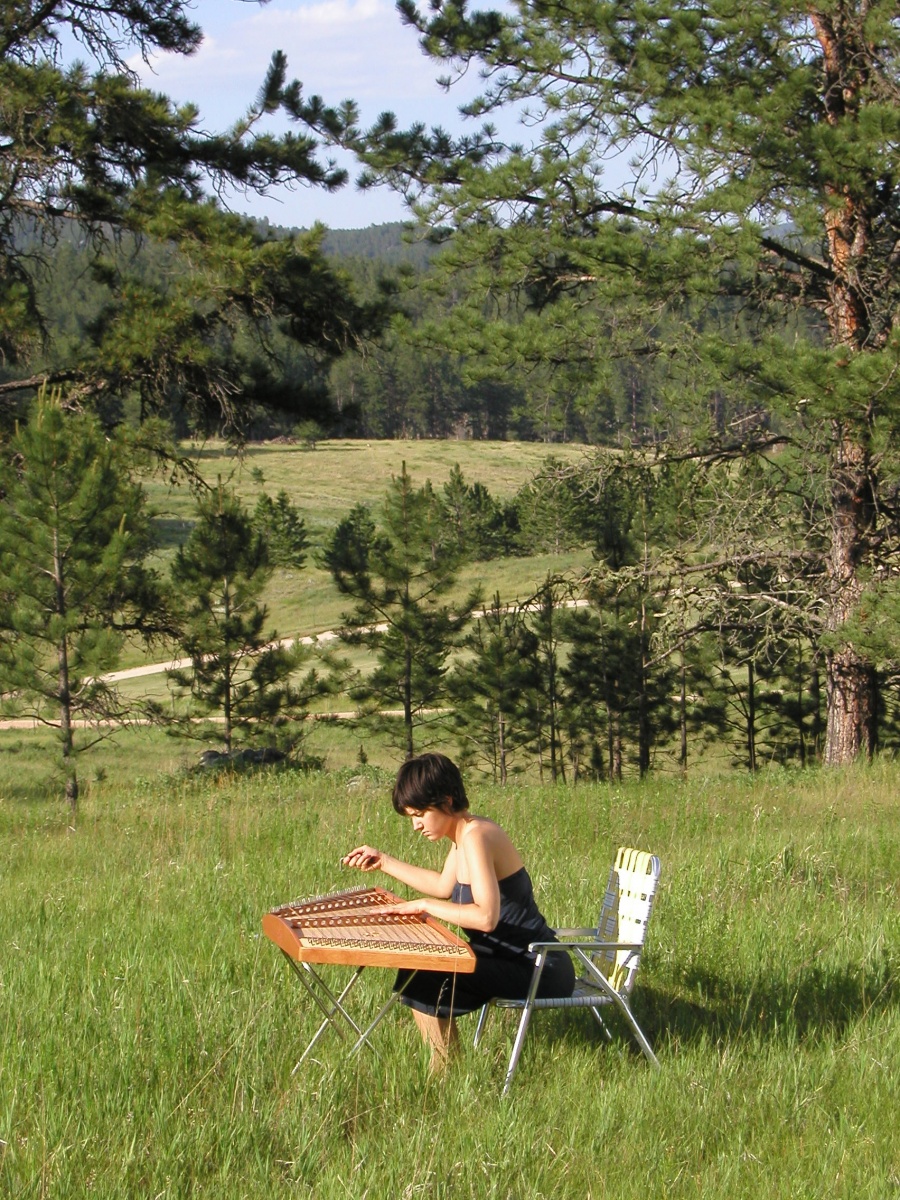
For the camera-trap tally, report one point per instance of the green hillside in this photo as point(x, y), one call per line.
point(325, 483)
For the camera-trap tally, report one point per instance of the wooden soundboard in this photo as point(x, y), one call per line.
point(347, 928)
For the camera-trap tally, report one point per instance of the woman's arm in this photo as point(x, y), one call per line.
point(484, 911)
point(432, 883)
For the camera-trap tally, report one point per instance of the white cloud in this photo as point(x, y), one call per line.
point(338, 49)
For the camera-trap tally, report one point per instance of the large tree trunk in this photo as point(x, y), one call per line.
point(850, 683)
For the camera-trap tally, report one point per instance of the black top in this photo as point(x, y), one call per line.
point(503, 966)
point(520, 920)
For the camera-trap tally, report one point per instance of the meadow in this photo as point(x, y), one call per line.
point(324, 484)
point(149, 1034)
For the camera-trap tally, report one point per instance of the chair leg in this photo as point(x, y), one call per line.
point(517, 1047)
point(540, 961)
point(482, 1021)
point(595, 1013)
point(638, 1033)
point(605, 986)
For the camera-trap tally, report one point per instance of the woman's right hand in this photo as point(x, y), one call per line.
point(364, 858)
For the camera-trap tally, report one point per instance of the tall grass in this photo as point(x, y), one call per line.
point(149, 1034)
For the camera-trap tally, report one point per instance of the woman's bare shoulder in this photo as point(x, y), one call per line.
point(487, 833)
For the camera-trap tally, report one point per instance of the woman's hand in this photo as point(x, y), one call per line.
point(406, 908)
point(364, 858)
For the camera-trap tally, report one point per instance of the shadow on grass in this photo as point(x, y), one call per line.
point(810, 1002)
point(821, 1001)
point(171, 532)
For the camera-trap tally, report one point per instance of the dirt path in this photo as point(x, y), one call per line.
point(182, 664)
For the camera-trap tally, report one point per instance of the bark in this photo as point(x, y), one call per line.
point(615, 746)
point(751, 717)
point(501, 739)
point(226, 707)
point(644, 734)
point(407, 700)
point(682, 720)
point(850, 682)
point(64, 691)
point(801, 728)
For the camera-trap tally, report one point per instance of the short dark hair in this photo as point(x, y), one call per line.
point(429, 781)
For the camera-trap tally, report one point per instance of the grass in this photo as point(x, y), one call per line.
point(148, 1034)
point(325, 484)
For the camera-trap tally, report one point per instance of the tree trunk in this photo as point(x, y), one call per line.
point(65, 728)
point(557, 770)
point(226, 709)
point(229, 678)
point(850, 683)
point(643, 700)
point(682, 720)
point(501, 736)
point(615, 746)
point(751, 716)
point(407, 700)
point(850, 690)
point(801, 726)
point(64, 689)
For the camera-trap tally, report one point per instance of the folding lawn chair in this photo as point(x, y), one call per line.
point(609, 955)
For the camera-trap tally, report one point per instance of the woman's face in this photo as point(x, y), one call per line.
point(433, 823)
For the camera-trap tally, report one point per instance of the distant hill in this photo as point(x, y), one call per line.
point(390, 244)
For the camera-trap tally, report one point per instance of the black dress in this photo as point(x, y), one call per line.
point(503, 966)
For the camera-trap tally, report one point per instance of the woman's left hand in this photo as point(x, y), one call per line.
point(407, 907)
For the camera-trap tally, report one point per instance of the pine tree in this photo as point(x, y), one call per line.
point(73, 539)
point(399, 576)
point(479, 526)
point(284, 530)
point(239, 671)
point(489, 688)
point(546, 699)
point(88, 152)
point(751, 246)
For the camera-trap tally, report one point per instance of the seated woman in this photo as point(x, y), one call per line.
point(484, 888)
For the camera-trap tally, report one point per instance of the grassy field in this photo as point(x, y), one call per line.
point(148, 1034)
point(326, 483)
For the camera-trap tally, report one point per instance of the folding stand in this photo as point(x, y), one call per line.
point(334, 1007)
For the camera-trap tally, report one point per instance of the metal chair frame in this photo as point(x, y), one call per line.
point(608, 956)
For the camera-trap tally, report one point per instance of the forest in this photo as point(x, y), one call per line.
point(720, 327)
point(396, 385)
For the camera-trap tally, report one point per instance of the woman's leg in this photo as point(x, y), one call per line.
point(440, 1034)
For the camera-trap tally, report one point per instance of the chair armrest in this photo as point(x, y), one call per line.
point(593, 944)
point(575, 933)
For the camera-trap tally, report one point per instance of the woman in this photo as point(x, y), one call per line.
point(483, 888)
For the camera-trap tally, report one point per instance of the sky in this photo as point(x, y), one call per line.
point(338, 49)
